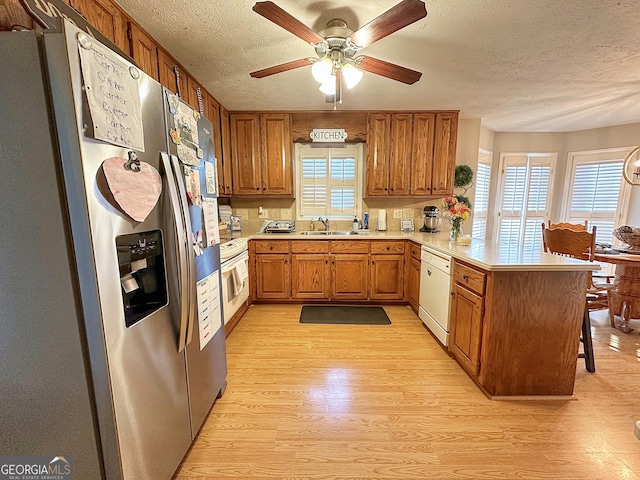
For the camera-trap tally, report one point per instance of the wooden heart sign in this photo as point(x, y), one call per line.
point(136, 192)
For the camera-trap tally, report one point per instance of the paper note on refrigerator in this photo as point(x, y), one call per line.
point(111, 86)
point(186, 128)
point(210, 177)
point(210, 213)
point(209, 314)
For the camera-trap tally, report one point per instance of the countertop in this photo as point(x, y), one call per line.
point(486, 255)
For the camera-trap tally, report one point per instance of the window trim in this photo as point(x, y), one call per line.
point(358, 151)
point(624, 197)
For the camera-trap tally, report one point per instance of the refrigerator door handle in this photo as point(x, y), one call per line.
point(191, 267)
point(181, 242)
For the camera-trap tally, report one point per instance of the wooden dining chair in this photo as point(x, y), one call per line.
point(579, 244)
point(596, 278)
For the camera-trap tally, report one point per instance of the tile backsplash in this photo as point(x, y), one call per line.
point(285, 209)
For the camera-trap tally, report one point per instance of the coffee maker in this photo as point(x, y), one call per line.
point(432, 220)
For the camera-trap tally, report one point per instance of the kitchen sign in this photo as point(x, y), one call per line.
point(328, 135)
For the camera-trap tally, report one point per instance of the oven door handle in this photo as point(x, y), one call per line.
point(228, 267)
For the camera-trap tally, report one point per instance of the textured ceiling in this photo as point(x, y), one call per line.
point(519, 65)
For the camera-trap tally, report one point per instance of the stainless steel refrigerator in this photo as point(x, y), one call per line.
point(112, 344)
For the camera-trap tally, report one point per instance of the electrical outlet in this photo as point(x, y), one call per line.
point(397, 214)
point(264, 213)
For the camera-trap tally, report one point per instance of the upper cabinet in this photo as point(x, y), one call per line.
point(170, 73)
point(144, 50)
point(106, 17)
point(261, 150)
point(411, 154)
point(225, 134)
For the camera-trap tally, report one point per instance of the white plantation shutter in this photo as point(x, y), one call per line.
point(328, 183)
point(481, 200)
point(596, 191)
point(525, 199)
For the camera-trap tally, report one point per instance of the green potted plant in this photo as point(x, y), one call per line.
point(463, 179)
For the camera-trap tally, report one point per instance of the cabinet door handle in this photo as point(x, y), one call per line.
point(257, 188)
point(429, 272)
point(465, 278)
point(452, 294)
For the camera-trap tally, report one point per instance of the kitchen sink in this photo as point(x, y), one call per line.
point(324, 232)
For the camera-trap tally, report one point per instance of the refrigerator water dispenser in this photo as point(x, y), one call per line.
point(142, 274)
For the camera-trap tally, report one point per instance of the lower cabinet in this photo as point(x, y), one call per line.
point(310, 274)
point(387, 270)
point(273, 276)
point(467, 312)
point(413, 284)
point(349, 276)
point(466, 328)
point(413, 275)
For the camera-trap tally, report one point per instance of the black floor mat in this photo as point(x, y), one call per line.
point(344, 314)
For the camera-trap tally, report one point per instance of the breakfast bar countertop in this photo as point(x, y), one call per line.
point(483, 254)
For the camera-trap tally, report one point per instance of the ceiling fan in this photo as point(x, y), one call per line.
point(337, 47)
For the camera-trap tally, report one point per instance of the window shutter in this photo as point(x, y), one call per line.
point(481, 200)
point(595, 195)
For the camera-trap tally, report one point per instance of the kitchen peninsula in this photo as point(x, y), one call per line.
point(515, 317)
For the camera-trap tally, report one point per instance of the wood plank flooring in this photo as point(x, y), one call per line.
point(386, 402)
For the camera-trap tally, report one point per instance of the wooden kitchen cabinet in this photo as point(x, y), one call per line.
point(277, 161)
point(422, 153)
point(444, 153)
point(144, 50)
point(310, 269)
point(106, 17)
point(261, 151)
point(400, 157)
point(225, 134)
point(413, 276)
point(167, 66)
point(411, 154)
point(310, 274)
point(245, 153)
point(466, 328)
point(387, 270)
point(349, 276)
point(467, 310)
point(273, 276)
point(377, 164)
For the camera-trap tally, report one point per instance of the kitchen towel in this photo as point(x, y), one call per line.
point(239, 275)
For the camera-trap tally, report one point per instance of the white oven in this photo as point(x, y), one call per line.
point(235, 276)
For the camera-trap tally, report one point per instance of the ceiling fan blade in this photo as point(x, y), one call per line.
point(283, 67)
point(403, 14)
point(389, 70)
point(277, 15)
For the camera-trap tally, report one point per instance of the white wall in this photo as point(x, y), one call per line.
point(563, 143)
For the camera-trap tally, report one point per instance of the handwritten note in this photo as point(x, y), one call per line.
point(113, 96)
point(210, 213)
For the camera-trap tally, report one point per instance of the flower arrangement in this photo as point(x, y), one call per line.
point(457, 212)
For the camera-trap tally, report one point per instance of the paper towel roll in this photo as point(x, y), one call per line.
point(382, 220)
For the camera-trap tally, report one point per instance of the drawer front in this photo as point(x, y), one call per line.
point(271, 246)
point(349, 246)
point(414, 249)
point(309, 246)
point(469, 277)
point(394, 246)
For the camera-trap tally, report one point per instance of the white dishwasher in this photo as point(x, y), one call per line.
point(435, 292)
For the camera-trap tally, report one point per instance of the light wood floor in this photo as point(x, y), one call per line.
point(386, 402)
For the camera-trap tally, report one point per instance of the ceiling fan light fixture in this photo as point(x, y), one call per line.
point(321, 70)
point(329, 87)
point(352, 75)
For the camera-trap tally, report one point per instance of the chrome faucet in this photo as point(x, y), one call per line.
point(325, 222)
